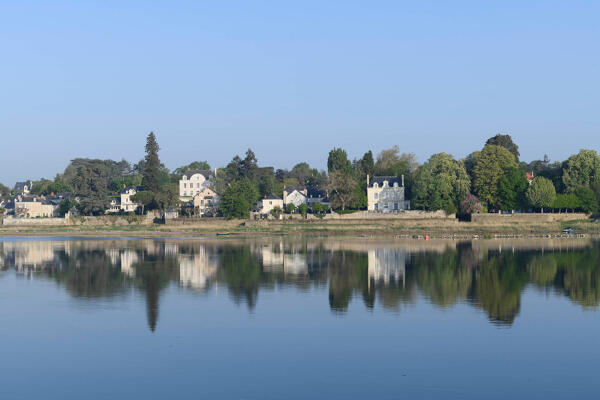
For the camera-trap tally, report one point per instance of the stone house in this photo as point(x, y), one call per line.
point(386, 194)
point(268, 203)
point(33, 207)
point(206, 201)
point(193, 181)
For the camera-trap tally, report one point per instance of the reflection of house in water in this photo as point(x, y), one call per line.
point(275, 259)
point(197, 269)
point(128, 258)
point(26, 257)
point(387, 266)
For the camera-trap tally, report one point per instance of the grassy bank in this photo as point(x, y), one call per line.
point(403, 228)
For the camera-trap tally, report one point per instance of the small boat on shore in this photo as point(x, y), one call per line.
point(222, 233)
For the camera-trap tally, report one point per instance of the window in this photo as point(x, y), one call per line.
point(376, 206)
point(197, 185)
point(395, 184)
point(185, 185)
point(376, 195)
point(385, 183)
point(185, 193)
point(375, 185)
point(396, 204)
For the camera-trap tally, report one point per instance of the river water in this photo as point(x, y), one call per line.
point(299, 318)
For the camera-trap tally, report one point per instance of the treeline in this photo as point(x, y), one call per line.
point(491, 179)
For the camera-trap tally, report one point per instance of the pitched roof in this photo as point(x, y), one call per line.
point(314, 192)
point(290, 189)
point(21, 185)
point(380, 179)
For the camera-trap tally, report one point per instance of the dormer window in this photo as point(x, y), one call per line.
point(385, 183)
point(184, 178)
point(375, 185)
point(395, 184)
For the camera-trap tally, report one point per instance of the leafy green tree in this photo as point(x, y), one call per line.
point(91, 185)
point(506, 142)
point(440, 184)
point(511, 189)
point(338, 161)
point(302, 209)
point(341, 189)
point(201, 165)
point(587, 199)
point(491, 164)
point(249, 165)
point(541, 193)
point(238, 199)
point(4, 190)
point(290, 208)
point(318, 209)
point(152, 166)
point(145, 198)
point(167, 197)
point(2, 211)
point(582, 169)
point(566, 201)
point(366, 165)
point(65, 206)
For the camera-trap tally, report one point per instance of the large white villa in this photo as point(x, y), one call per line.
point(386, 194)
point(193, 182)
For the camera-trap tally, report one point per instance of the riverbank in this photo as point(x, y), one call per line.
point(442, 228)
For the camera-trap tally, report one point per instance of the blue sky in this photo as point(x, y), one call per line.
point(291, 80)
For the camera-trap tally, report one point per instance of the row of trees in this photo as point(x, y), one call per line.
point(490, 179)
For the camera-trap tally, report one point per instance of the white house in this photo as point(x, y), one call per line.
point(193, 181)
point(267, 204)
point(127, 204)
point(23, 187)
point(295, 195)
point(386, 194)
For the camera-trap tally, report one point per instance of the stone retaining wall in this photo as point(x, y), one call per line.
point(525, 218)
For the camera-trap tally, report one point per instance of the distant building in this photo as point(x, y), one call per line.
point(115, 205)
point(23, 187)
point(33, 207)
point(128, 205)
point(529, 177)
point(206, 201)
point(315, 196)
point(386, 194)
point(193, 182)
point(295, 195)
point(266, 205)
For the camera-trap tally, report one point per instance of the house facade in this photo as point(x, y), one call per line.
point(206, 201)
point(266, 205)
point(127, 205)
point(193, 182)
point(33, 207)
point(315, 196)
point(295, 195)
point(386, 194)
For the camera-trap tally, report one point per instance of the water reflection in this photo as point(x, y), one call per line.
point(488, 275)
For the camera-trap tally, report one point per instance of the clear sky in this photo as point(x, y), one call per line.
point(291, 80)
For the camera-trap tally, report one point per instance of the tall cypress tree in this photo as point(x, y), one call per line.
point(151, 165)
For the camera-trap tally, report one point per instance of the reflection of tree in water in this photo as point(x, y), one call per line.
point(347, 271)
point(240, 270)
point(442, 278)
point(490, 280)
point(499, 282)
point(88, 273)
point(152, 274)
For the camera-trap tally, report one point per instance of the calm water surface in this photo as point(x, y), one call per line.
point(299, 319)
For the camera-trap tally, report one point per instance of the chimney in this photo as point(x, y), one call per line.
point(402, 180)
point(367, 180)
point(216, 172)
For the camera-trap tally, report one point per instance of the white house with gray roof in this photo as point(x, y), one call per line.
point(386, 194)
